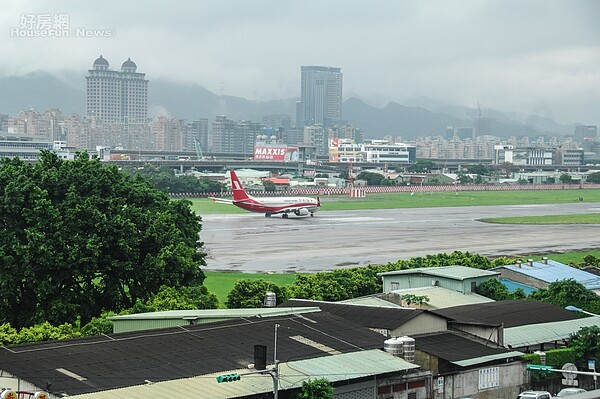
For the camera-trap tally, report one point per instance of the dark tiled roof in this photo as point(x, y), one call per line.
point(511, 313)
point(454, 347)
point(368, 316)
point(127, 359)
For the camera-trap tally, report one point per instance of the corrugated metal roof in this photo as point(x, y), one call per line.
point(371, 300)
point(457, 348)
point(451, 272)
point(555, 271)
point(535, 334)
point(119, 360)
point(440, 297)
point(368, 316)
point(511, 313)
point(216, 313)
point(342, 367)
point(485, 359)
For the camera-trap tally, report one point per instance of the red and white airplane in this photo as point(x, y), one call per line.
point(300, 206)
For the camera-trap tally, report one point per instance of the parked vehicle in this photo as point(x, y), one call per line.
point(535, 395)
point(569, 391)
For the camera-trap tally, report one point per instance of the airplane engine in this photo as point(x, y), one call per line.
point(301, 212)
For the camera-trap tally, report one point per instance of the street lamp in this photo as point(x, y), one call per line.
point(576, 309)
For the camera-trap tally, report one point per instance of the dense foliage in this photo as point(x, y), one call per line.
point(342, 284)
point(247, 293)
point(319, 388)
point(164, 179)
point(586, 344)
point(78, 237)
point(167, 298)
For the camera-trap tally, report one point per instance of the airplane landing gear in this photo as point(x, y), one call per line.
point(285, 216)
point(312, 215)
point(267, 215)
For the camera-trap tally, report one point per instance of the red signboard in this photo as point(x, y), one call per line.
point(277, 154)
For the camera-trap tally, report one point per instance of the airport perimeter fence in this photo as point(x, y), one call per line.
point(425, 188)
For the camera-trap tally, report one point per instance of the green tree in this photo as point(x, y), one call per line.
point(79, 237)
point(270, 187)
point(480, 169)
point(421, 166)
point(319, 388)
point(248, 293)
point(372, 179)
point(566, 178)
point(586, 343)
point(593, 178)
point(568, 292)
point(493, 289)
point(170, 298)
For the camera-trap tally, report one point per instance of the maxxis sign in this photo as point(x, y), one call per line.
point(276, 154)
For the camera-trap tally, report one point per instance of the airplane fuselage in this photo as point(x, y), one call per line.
point(273, 205)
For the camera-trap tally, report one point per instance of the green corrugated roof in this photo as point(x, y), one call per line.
point(534, 334)
point(440, 297)
point(215, 313)
point(452, 272)
point(485, 359)
point(370, 301)
point(292, 374)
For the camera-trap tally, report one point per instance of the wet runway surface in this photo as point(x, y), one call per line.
point(335, 239)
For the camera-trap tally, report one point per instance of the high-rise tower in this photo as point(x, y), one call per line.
point(321, 96)
point(117, 96)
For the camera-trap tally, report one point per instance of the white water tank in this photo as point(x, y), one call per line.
point(393, 346)
point(408, 346)
point(270, 300)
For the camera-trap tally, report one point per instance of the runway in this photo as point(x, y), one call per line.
point(335, 239)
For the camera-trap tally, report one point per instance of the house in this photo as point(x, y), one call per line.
point(461, 364)
point(434, 297)
point(185, 360)
point(465, 367)
point(456, 278)
point(517, 324)
point(389, 321)
point(541, 274)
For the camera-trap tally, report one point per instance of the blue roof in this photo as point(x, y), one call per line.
point(512, 286)
point(555, 271)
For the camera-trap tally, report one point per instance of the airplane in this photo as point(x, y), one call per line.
point(299, 206)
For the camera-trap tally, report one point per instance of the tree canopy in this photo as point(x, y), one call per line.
point(78, 237)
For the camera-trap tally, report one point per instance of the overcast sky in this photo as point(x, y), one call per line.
point(529, 56)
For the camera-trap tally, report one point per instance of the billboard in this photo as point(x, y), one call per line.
point(276, 154)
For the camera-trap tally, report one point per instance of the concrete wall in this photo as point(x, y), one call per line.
point(485, 382)
point(422, 324)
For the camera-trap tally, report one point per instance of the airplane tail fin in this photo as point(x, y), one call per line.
point(318, 202)
point(239, 194)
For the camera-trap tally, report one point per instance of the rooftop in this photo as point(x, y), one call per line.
point(114, 361)
point(554, 271)
point(368, 316)
point(215, 313)
point(451, 272)
point(510, 313)
point(440, 297)
point(459, 350)
point(342, 367)
point(535, 334)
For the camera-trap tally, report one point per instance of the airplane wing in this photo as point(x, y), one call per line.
point(221, 200)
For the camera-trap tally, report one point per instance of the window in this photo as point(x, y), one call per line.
point(395, 286)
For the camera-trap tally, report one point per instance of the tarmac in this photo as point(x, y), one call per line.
point(330, 240)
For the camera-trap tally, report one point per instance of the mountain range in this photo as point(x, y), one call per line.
point(420, 117)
